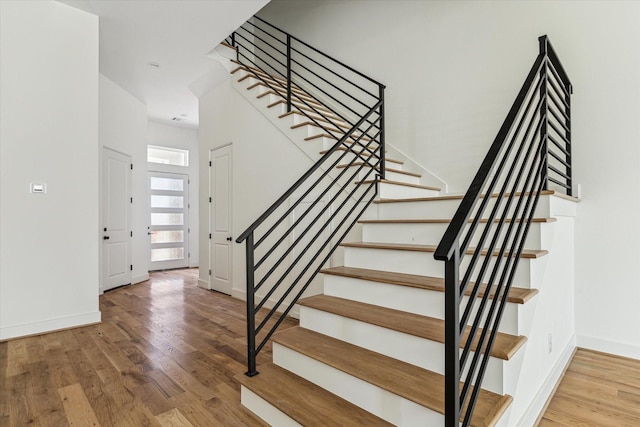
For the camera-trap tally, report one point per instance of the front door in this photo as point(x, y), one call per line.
point(116, 228)
point(220, 248)
point(169, 230)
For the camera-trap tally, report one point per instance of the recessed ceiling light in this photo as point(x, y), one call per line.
point(183, 115)
point(153, 64)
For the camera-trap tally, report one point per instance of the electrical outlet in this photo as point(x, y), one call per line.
point(550, 342)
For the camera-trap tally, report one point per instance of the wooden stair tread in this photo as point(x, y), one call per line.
point(505, 346)
point(516, 295)
point(404, 184)
point(227, 45)
point(298, 105)
point(370, 147)
point(417, 175)
point(526, 253)
point(326, 135)
point(418, 385)
point(305, 402)
point(328, 118)
point(442, 221)
point(461, 196)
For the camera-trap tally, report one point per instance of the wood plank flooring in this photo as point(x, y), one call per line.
point(165, 354)
point(597, 390)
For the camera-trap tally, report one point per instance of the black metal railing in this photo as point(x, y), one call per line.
point(295, 237)
point(484, 242)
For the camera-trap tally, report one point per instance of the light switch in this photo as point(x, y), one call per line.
point(38, 188)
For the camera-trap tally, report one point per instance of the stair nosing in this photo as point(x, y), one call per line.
point(428, 328)
point(289, 403)
point(387, 169)
point(526, 253)
point(446, 197)
point(415, 380)
point(429, 283)
point(405, 184)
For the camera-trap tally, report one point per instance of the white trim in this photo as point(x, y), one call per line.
point(50, 325)
point(203, 284)
point(532, 413)
point(609, 346)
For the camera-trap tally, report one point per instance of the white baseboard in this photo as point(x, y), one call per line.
point(537, 405)
point(50, 325)
point(203, 284)
point(140, 278)
point(607, 346)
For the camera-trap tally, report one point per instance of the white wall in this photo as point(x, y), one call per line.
point(48, 134)
point(265, 164)
point(186, 139)
point(452, 70)
point(123, 128)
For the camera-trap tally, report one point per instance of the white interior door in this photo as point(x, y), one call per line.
point(220, 247)
point(169, 229)
point(116, 230)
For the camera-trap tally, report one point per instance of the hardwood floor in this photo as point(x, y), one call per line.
point(165, 354)
point(597, 390)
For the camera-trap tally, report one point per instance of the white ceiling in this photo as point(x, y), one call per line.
point(177, 35)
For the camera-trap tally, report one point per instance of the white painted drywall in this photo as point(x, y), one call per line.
point(186, 139)
point(452, 70)
point(123, 128)
point(265, 164)
point(48, 134)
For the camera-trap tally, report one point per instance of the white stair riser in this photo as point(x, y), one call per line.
point(408, 348)
point(415, 300)
point(393, 191)
point(394, 176)
point(548, 206)
point(527, 275)
point(386, 405)
point(263, 409)
point(539, 236)
point(401, 177)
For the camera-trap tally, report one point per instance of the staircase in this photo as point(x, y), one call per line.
point(370, 347)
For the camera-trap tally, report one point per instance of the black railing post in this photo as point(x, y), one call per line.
point(251, 310)
point(452, 340)
point(569, 167)
point(288, 73)
point(544, 112)
point(382, 139)
point(233, 43)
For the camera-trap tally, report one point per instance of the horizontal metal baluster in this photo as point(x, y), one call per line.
point(294, 244)
point(511, 257)
point(485, 265)
point(373, 184)
point(303, 197)
point(321, 53)
point(559, 172)
point(561, 108)
point(494, 241)
point(263, 51)
point(559, 159)
point(557, 144)
point(339, 89)
point(562, 184)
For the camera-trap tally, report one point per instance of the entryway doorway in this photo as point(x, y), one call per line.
point(169, 229)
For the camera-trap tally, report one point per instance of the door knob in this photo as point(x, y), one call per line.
point(105, 237)
point(229, 239)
